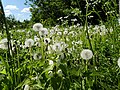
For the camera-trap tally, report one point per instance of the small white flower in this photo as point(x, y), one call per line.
point(36, 38)
point(37, 27)
point(50, 73)
point(3, 43)
point(29, 42)
point(59, 72)
point(66, 17)
point(79, 42)
point(78, 24)
point(119, 21)
point(65, 32)
point(27, 87)
point(59, 33)
point(35, 78)
point(37, 56)
point(49, 49)
point(37, 44)
point(52, 32)
point(119, 61)
point(51, 62)
point(86, 54)
point(57, 47)
point(74, 20)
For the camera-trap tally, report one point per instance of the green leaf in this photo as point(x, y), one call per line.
point(26, 81)
point(63, 68)
point(47, 69)
point(3, 71)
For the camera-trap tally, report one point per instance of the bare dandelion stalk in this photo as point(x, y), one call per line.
point(9, 55)
point(6, 28)
point(86, 25)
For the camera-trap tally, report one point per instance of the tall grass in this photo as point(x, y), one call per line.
point(57, 64)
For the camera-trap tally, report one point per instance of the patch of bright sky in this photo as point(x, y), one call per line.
point(16, 8)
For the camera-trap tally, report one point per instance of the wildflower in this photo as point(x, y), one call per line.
point(43, 31)
point(66, 17)
point(65, 32)
point(52, 32)
point(79, 42)
point(74, 20)
point(49, 48)
point(37, 44)
point(36, 38)
point(59, 72)
point(46, 40)
point(111, 29)
point(35, 78)
point(3, 43)
point(29, 42)
point(27, 87)
point(119, 61)
point(57, 47)
point(59, 33)
point(37, 27)
point(51, 62)
point(50, 73)
point(86, 54)
point(37, 56)
point(119, 21)
point(78, 24)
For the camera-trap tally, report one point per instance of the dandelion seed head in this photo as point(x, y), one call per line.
point(37, 26)
point(3, 43)
point(57, 47)
point(43, 32)
point(29, 42)
point(86, 54)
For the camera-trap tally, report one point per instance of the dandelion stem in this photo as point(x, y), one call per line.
point(86, 26)
point(9, 55)
point(6, 28)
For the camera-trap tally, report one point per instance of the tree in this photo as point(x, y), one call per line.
point(50, 10)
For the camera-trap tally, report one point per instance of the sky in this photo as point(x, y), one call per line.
point(16, 8)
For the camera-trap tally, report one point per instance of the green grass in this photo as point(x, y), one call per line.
point(100, 72)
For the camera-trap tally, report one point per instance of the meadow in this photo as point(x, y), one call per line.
point(61, 57)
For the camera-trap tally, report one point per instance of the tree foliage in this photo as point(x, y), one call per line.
point(48, 11)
